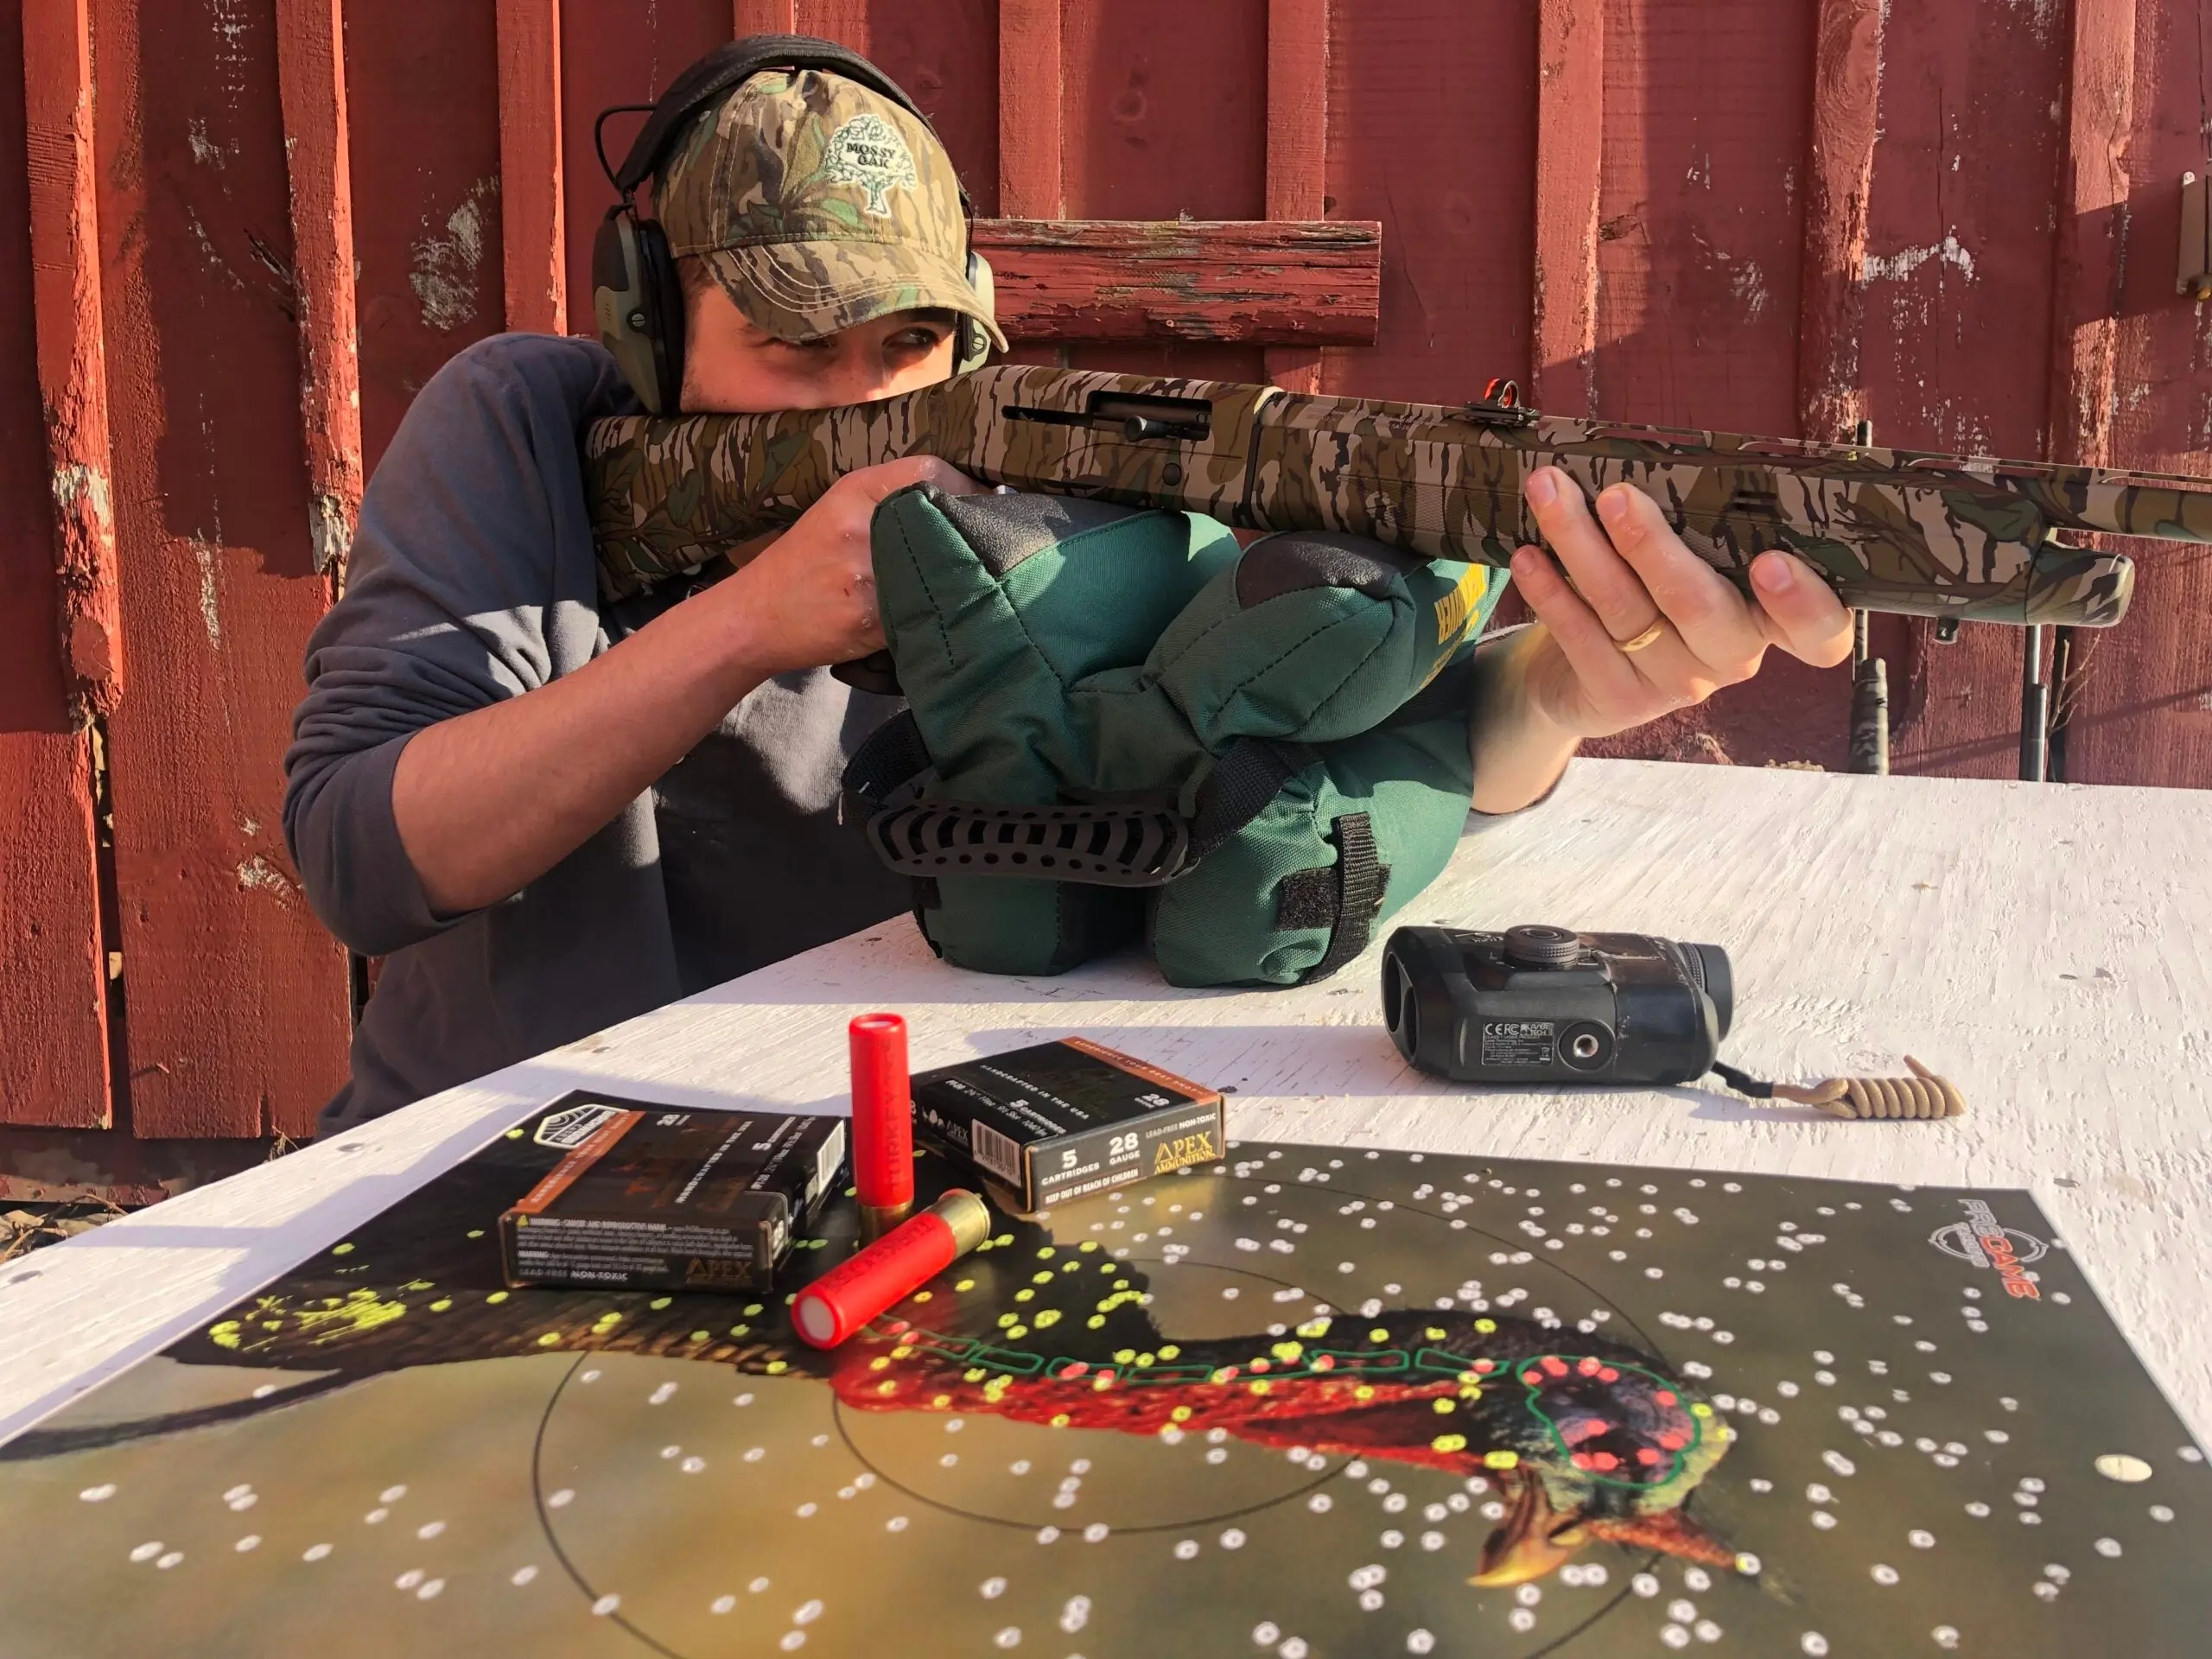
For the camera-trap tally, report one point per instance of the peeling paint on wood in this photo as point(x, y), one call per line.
point(54, 1036)
point(2093, 228)
point(1428, 99)
point(1968, 155)
point(1707, 125)
point(238, 1005)
point(1895, 267)
point(1846, 119)
point(446, 260)
point(71, 371)
point(1258, 282)
point(2141, 705)
point(1570, 135)
point(318, 165)
point(423, 115)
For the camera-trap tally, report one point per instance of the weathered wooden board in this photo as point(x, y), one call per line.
point(64, 224)
point(238, 1011)
point(945, 53)
point(1570, 180)
point(1699, 242)
point(423, 84)
point(2141, 705)
point(1957, 278)
point(1028, 174)
point(620, 54)
point(1255, 281)
point(1844, 123)
point(1164, 114)
point(318, 166)
point(1426, 99)
point(1298, 150)
point(53, 984)
point(532, 228)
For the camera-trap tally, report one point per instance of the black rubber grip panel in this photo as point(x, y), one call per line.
point(1098, 846)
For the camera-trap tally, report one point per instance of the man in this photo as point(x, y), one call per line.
point(548, 814)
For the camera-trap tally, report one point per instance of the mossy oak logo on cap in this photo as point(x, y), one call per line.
point(867, 150)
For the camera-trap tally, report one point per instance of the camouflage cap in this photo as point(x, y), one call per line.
point(819, 204)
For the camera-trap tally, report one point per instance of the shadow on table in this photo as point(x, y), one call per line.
point(890, 966)
point(1323, 1061)
point(1298, 1062)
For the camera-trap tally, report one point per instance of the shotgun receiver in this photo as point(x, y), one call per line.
point(1891, 530)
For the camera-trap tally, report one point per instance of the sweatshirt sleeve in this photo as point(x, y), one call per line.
point(456, 583)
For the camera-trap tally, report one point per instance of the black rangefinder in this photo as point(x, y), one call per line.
point(1536, 1005)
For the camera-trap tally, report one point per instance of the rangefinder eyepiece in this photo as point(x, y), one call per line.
point(1537, 1004)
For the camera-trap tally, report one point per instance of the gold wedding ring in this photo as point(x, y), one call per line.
point(1648, 637)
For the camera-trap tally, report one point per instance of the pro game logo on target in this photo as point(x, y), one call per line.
point(1984, 1241)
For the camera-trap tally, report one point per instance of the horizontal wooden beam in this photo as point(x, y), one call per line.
point(1257, 281)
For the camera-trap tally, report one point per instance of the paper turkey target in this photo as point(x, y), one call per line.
point(1304, 1401)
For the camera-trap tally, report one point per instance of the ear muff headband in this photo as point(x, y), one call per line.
point(636, 299)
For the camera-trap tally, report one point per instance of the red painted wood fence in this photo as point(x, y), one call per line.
point(236, 236)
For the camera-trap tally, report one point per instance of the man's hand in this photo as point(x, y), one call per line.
point(577, 749)
point(1639, 625)
point(1631, 625)
point(808, 598)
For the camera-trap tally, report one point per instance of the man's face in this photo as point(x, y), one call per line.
point(733, 367)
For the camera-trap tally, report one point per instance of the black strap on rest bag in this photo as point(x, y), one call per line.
point(1100, 846)
point(1345, 899)
point(891, 757)
point(1251, 773)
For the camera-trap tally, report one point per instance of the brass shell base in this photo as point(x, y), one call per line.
point(877, 1219)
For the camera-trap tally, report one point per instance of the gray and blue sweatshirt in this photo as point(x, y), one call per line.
point(472, 579)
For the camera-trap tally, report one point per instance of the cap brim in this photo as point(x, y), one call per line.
point(807, 290)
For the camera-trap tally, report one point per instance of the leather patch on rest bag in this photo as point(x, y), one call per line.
point(1292, 562)
point(1005, 530)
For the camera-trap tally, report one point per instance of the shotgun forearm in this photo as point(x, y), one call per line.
point(1891, 529)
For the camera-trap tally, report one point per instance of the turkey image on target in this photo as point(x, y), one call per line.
point(1299, 1401)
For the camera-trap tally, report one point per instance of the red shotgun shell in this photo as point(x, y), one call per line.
point(851, 1293)
point(883, 1122)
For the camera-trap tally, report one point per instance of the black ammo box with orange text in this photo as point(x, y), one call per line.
point(1064, 1120)
point(661, 1197)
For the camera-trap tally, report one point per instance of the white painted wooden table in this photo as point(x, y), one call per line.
point(2048, 947)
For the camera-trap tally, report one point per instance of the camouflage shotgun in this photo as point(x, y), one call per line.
point(1891, 530)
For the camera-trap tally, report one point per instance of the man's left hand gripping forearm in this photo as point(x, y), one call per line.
point(1631, 625)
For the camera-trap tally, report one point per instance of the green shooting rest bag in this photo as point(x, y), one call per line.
point(1122, 726)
